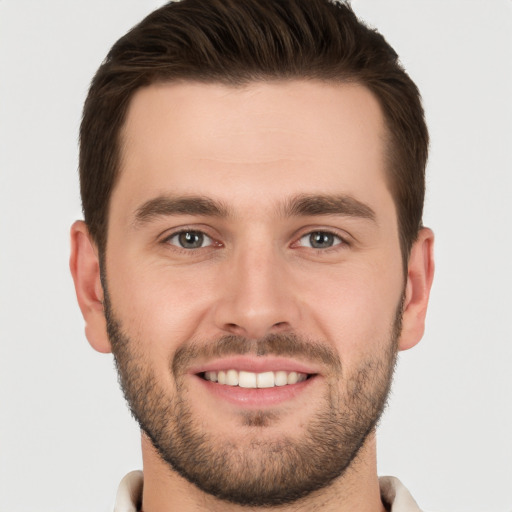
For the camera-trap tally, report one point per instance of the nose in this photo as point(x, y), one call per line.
point(256, 294)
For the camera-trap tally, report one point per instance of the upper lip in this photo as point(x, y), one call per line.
point(255, 364)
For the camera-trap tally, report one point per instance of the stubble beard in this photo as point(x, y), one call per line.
point(254, 471)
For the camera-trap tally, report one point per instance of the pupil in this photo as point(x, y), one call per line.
point(321, 240)
point(191, 239)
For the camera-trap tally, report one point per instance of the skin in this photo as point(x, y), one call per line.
point(253, 149)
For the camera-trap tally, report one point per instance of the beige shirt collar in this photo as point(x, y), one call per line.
point(393, 492)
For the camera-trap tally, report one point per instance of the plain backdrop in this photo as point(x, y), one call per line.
point(66, 436)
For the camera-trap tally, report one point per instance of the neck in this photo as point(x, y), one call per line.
point(357, 489)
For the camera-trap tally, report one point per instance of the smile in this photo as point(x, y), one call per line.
point(246, 379)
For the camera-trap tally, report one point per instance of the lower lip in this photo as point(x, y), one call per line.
point(256, 397)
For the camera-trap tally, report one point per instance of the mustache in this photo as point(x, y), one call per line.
point(289, 345)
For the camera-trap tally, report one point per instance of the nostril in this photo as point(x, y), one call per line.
point(255, 329)
point(234, 329)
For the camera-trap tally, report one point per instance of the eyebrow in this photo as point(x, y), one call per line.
point(163, 206)
point(302, 205)
point(312, 205)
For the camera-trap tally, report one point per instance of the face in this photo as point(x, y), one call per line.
point(254, 281)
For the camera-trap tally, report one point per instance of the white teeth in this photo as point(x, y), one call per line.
point(232, 378)
point(255, 380)
point(293, 378)
point(265, 380)
point(211, 376)
point(281, 378)
point(247, 380)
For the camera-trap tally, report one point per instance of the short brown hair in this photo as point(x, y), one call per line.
point(237, 42)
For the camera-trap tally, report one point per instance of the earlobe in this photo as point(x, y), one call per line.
point(417, 290)
point(85, 269)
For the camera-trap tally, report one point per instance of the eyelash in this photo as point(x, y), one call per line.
point(341, 241)
point(167, 239)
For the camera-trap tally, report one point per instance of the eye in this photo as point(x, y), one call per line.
point(190, 240)
point(320, 240)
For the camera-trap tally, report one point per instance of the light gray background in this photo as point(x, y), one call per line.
point(66, 437)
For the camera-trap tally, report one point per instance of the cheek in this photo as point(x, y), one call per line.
point(355, 309)
point(157, 303)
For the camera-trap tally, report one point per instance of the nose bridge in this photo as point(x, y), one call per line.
point(255, 299)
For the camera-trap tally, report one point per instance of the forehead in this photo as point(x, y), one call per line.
point(259, 141)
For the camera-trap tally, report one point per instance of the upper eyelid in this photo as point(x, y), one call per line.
point(333, 233)
point(330, 231)
point(213, 243)
point(176, 233)
point(342, 241)
point(343, 235)
point(169, 233)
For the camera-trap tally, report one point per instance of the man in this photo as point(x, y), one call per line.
point(252, 178)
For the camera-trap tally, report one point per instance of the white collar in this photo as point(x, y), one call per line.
point(393, 492)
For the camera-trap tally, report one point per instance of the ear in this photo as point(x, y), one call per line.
point(85, 269)
point(420, 274)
